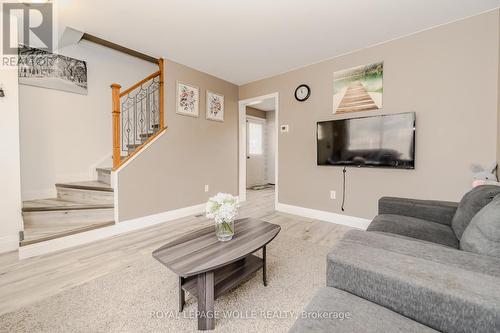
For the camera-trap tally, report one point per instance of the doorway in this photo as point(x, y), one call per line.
point(258, 145)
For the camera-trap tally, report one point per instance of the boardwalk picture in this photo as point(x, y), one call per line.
point(48, 70)
point(358, 88)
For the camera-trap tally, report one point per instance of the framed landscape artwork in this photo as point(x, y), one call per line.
point(188, 98)
point(48, 70)
point(358, 88)
point(215, 106)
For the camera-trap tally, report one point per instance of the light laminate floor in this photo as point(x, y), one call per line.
point(23, 282)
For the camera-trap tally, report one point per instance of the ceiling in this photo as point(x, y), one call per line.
point(265, 105)
point(246, 40)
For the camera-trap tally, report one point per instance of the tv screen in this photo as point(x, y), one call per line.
point(378, 141)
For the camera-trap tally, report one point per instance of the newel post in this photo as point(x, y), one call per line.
point(161, 64)
point(116, 124)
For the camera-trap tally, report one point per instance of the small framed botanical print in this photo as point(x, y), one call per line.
point(215, 106)
point(188, 98)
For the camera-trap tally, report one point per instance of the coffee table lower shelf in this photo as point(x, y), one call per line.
point(226, 277)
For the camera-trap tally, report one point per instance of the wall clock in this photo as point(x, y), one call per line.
point(302, 92)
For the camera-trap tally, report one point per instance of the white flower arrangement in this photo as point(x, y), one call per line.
point(222, 208)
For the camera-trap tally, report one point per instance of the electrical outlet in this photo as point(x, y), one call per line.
point(206, 188)
point(333, 195)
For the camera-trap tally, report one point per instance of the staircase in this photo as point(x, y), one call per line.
point(138, 117)
point(78, 207)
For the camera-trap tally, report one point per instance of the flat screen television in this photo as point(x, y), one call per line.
point(377, 141)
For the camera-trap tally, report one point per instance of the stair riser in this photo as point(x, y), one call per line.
point(73, 218)
point(104, 177)
point(84, 196)
point(38, 235)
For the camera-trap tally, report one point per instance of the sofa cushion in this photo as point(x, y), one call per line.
point(479, 264)
point(483, 233)
point(471, 203)
point(429, 210)
point(347, 313)
point(446, 289)
point(414, 228)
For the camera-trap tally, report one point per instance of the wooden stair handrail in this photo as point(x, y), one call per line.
point(140, 83)
point(117, 94)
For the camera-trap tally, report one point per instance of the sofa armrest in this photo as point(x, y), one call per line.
point(430, 210)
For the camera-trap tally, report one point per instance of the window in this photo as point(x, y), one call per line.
point(255, 139)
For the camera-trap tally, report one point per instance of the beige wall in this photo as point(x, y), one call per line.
point(10, 194)
point(447, 75)
point(255, 112)
point(65, 135)
point(194, 152)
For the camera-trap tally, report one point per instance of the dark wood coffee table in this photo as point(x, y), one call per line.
point(207, 268)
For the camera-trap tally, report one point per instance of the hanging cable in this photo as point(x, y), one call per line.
point(343, 188)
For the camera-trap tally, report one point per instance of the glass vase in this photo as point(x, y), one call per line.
point(224, 230)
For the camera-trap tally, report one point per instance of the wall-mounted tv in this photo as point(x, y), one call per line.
point(378, 141)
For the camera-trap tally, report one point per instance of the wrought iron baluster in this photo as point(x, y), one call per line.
point(144, 114)
point(154, 107)
point(140, 114)
point(123, 124)
point(135, 120)
point(155, 104)
point(148, 110)
point(126, 122)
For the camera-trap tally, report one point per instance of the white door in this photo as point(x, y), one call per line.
point(256, 155)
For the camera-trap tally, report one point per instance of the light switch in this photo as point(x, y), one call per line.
point(284, 128)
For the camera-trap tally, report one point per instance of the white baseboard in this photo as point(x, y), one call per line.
point(350, 221)
point(9, 243)
point(102, 233)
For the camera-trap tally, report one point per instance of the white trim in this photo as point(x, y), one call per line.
point(347, 220)
point(242, 144)
point(9, 243)
point(102, 233)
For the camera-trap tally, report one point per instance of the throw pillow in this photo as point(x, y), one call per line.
point(483, 233)
point(471, 203)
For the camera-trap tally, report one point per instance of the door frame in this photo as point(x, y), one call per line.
point(242, 144)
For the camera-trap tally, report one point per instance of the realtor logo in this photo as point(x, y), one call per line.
point(28, 24)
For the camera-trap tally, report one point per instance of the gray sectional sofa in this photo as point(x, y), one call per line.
point(422, 266)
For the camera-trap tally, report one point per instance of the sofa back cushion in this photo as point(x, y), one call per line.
point(483, 233)
point(472, 202)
